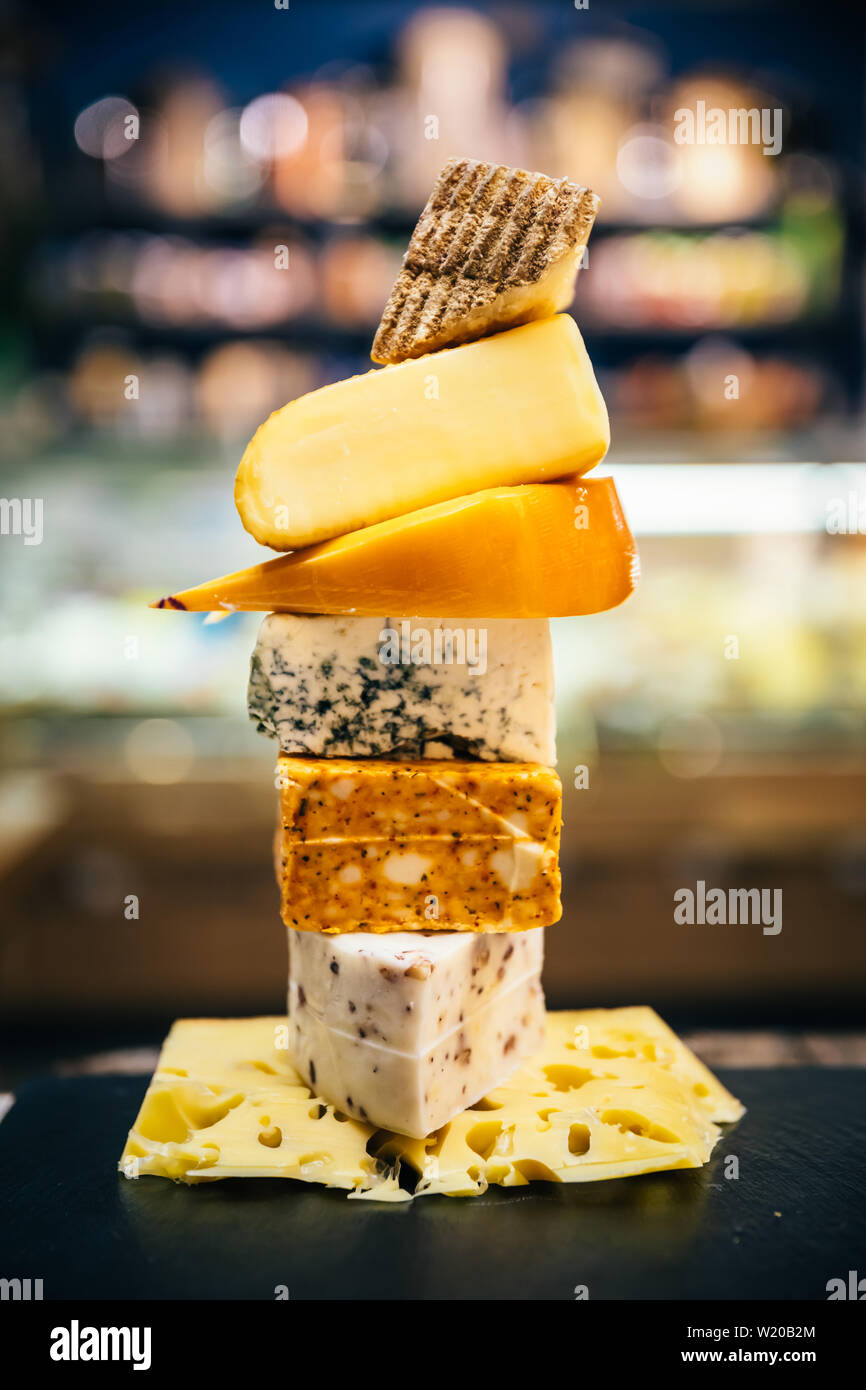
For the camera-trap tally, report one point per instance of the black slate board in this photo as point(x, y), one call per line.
point(70, 1219)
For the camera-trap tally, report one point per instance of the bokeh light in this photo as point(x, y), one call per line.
point(108, 128)
point(159, 751)
point(273, 126)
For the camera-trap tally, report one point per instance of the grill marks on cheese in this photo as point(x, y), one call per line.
point(611, 1093)
point(521, 407)
point(494, 247)
point(365, 845)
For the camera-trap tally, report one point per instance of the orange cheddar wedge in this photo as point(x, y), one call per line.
point(542, 550)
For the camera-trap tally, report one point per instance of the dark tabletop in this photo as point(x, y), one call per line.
point(794, 1218)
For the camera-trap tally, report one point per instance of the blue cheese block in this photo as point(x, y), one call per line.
point(405, 688)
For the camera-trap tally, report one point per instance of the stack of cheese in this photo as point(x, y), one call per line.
point(418, 835)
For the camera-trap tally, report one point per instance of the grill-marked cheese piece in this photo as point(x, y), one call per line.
point(404, 990)
point(494, 247)
point(407, 688)
point(545, 550)
point(390, 846)
point(522, 407)
point(612, 1093)
point(414, 1094)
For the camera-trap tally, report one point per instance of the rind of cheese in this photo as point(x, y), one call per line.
point(523, 407)
point(493, 248)
point(612, 1093)
point(545, 550)
point(416, 1093)
point(390, 846)
point(403, 990)
point(321, 686)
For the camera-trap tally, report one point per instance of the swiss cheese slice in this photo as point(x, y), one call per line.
point(494, 247)
point(522, 407)
point(613, 1093)
point(539, 551)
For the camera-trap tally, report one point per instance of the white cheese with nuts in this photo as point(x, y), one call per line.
point(405, 1031)
point(406, 989)
point(417, 1093)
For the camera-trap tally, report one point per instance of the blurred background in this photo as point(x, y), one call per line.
point(204, 210)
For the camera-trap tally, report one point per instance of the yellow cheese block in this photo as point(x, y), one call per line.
point(613, 1093)
point(536, 551)
point(394, 846)
point(521, 407)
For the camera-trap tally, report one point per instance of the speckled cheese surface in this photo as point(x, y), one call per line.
point(390, 846)
point(406, 989)
point(416, 1093)
point(405, 1030)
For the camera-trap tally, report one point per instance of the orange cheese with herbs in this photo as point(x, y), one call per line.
point(390, 846)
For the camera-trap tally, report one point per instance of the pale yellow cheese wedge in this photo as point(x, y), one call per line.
point(612, 1093)
point(521, 407)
